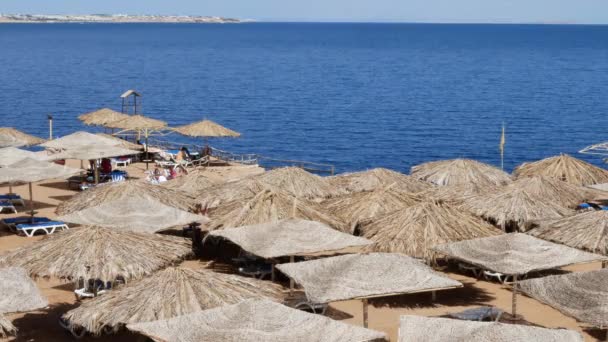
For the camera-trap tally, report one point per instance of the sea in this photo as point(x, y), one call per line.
point(353, 95)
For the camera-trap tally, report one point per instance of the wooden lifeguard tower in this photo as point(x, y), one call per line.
point(131, 102)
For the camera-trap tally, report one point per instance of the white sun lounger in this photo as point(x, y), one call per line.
point(48, 227)
point(7, 205)
point(13, 198)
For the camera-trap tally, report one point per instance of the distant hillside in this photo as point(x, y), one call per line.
point(112, 18)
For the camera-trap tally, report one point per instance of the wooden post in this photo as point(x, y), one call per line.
point(514, 298)
point(433, 296)
point(147, 155)
point(31, 200)
point(50, 117)
point(95, 172)
point(365, 312)
point(291, 260)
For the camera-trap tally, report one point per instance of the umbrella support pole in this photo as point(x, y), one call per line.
point(272, 276)
point(514, 298)
point(291, 260)
point(32, 212)
point(10, 189)
point(96, 172)
point(433, 296)
point(365, 313)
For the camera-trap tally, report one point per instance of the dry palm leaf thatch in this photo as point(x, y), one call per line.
point(460, 171)
point(10, 137)
point(297, 182)
point(196, 181)
point(91, 152)
point(123, 190)
point(556, 191)
point(515, 254)
point(77, 140)
point(357, 207)
point(137, 122)
point(240, 190)
point(588, 231)
point(566, 168)
point(515, 206)
point(98, 253)
point(19, 292)
point(101, 117)
point(6, 327)
point(582, 295)
point(32, 170)
point(271, 206)
point(456, 194)
point(414, 230)
point(122, 143)
point(11, 155)
point(429, 329)
point(354, 276)
point(166, 294)
point(206, 128)
point(376, 179)
point(254, 321)
point(289, 237)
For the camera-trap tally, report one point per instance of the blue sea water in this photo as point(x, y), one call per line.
point(353, 95)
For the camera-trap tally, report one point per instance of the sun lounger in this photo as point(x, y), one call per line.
point(470, 268)
point(7, 205)
point(121, 162)
point(502, 278)
point(12, 223)
point(481, 314)
point(298, 300)
point(13, 198)
point(29, 229)
point(258, 271)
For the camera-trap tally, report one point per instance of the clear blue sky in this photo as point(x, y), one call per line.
point(571, 11)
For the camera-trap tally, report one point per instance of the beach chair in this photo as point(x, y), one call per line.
point(476, 271)
point(502, 278)
point(299, 300)
point(12, 223)
point(121, 162)
point(481, 314)
point(258, 271)
point(117, 177)
point(29, 229)
point(7, 205)
point(13, 198)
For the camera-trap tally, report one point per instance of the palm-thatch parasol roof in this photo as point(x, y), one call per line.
point(91, 152)
point(414, 230)
point(460, 171)
point(206, 128)
point(137, 122)
point(566, 168)
point(166, 294)
point(582, 295)
point(6, 327)
point(142, 214)
point(288, 238)
point(78, 140)
point(355, 276)
point(588, 231)
point(254, 320)
point(11, 155)
point(515, 254)
point(241, 190)
point(457, 194)
point(297, 182)
point(31, 170)
point(101, 117)
point(429, 329)
point(270, 206)
point(377, 179)
point(515, 206)
point(122, 143)
point(124, 190)
point(196, 181)
point(98, 253)
point(11, 137)
point(357, 207)
point(556, 191)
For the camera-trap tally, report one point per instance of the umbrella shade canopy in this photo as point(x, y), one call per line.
point(582, 295)
point(10, 137)
point(19, 292)
point(196, 181)
point(270, 206)
point(457, 194)
point(78, 140)
point(515, 254)
point(557, 191)
point(98, 253)
point(137, 122)
point(121, 142)
point(241, 190)
point(32, 170)
point(355, 276)
point(377, 179)
point(166, 294)
point(254, 321)
point(460, 171)
point(566, 168)
point(91, 152)
point(588, 231)
point(6, 327)
point(515, 206)
point(297, 182)
point(135, 189)
point(101, 117)
point(11, 155)
point(138, 214)
point(206, 128)
point(429, 329)
point(414, 230)
point(289, 237)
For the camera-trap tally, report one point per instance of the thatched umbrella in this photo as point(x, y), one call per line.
point(457, 194)
point(137, 122)
point(377, 179)
point(582, 295)
point(98, 253)
point(19, 294)
point(358, 207)
point(206, 129)
point(196, 181)
point(460, 171)
point(121, 142)
point(101, 117)
point(166, 294)
point(363, 276)
point(11, 155)
point(556, 191)
point(142, 214)
point(254, 321)
point(414, 230)
point(241, 190)
point(515, 255)
point(297, 182)
point(124, 190)
point(588, 231)
point(515, 208)
point(10, 137)
point(79, 139)
point(429, 329)
point(566, 168)
point(270, 206)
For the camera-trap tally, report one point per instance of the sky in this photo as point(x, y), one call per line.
point(510, 11)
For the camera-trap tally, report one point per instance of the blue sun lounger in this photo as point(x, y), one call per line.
point(13, 198)
point(12, 223)
point(29, 229)
point(7, 205)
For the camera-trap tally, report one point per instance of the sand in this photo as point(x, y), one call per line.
point(384, 313)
